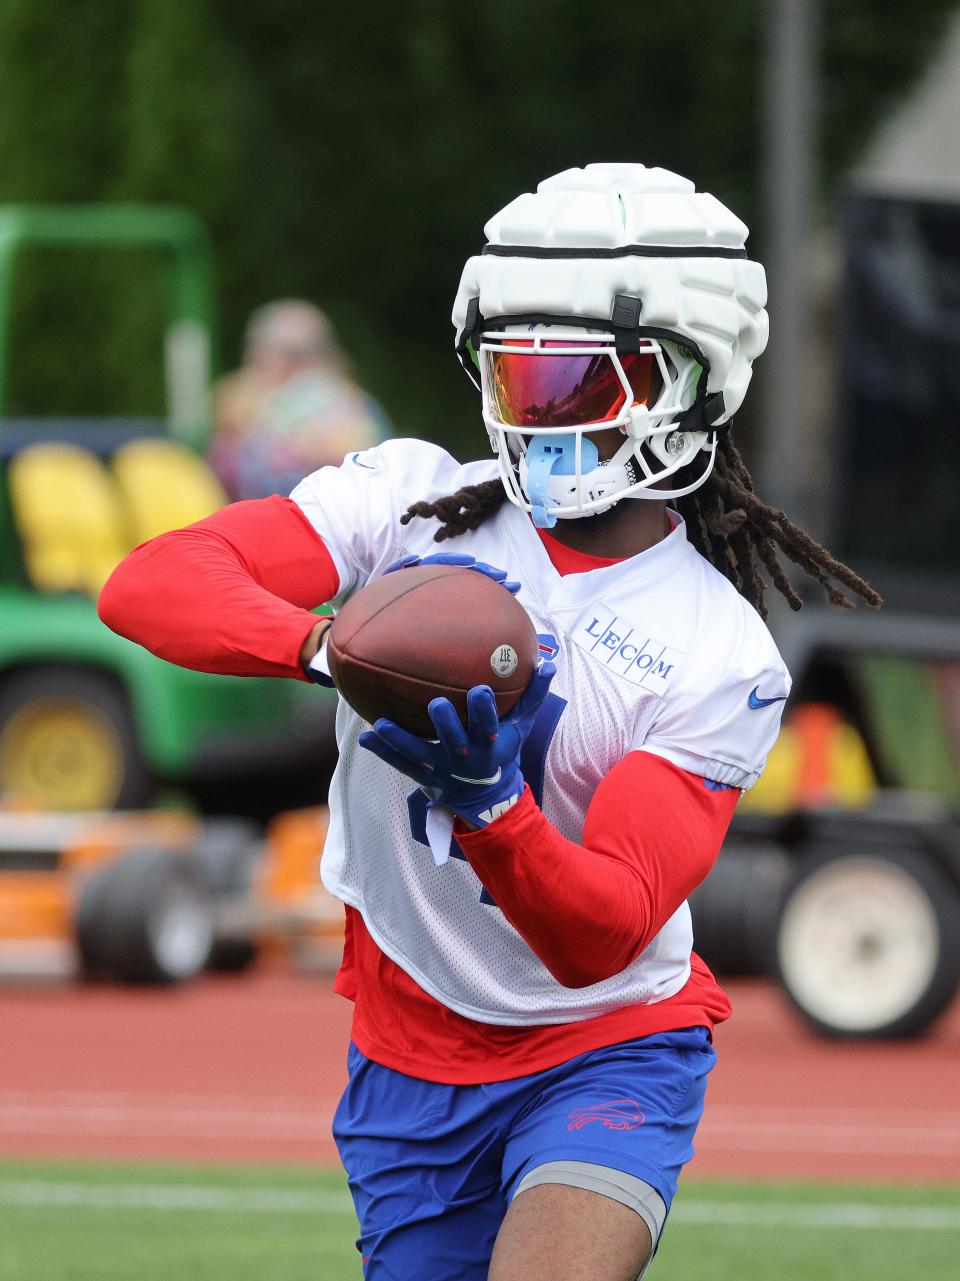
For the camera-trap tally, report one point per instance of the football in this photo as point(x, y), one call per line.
point(427, 632)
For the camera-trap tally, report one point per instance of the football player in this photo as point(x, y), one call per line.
point(532, 1030)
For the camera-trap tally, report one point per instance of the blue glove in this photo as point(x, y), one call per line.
point(456, 558)
point(475, 772)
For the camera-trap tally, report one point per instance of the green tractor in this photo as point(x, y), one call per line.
point(89, 721)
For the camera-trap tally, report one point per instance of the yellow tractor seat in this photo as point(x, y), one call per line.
point(163, 485)
point(67, 514)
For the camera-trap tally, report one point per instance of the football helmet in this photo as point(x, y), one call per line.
point(614, 297)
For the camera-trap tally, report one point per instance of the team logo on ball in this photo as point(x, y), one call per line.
point(504, 660)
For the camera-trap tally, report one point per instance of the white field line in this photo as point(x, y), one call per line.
point(757, 1136)
point(163, 1197)
point(58, 1195)
point(920, 1218)
point(175, 1116)
point(731, 1113)
point(855, 1131)
point(834, 1130)
point(169, 1123)
point(727, 1114)
point(164, 1098)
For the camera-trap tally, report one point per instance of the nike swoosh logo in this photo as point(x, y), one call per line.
point(355, 458)
point(480, 782)
point(756, 701)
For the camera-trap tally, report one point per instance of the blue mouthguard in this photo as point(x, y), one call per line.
point(554, 455)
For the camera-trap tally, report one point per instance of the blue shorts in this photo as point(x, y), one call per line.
point(432, 1168)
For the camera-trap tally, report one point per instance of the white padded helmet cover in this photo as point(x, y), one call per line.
point(716, 302)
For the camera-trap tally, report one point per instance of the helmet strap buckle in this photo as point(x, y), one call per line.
point(702, 415)
point(625, 318)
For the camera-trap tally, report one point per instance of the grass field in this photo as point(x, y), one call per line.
point(108, 1222)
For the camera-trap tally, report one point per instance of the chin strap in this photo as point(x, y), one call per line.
point(547, 456)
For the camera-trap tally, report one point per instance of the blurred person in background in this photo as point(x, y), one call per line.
point(292, 407)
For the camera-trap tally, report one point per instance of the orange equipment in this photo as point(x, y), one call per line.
point(159, 896)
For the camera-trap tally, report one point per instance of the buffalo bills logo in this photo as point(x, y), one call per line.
point(617, 1114)
point(547, 645)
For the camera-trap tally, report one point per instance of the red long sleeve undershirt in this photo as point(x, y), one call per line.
point(651, 835)
point(232, 594)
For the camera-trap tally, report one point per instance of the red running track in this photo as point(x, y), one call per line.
point(249, 1070)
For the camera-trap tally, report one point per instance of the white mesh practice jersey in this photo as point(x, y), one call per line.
point(658, 653)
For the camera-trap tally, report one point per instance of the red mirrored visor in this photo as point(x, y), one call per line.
point(540, 390)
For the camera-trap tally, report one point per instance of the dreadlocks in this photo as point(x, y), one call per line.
point(738, 532)
point(726, 522)
point(467, 509)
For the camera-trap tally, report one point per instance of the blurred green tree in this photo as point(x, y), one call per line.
point(351, 154)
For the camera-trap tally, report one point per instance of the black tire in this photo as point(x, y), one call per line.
point(232, 956)
point(225, 857)
point(868, 942)
point(88, 926)
point(147, 919)
point(226, 854)
point(735, 909)
point(68, 741)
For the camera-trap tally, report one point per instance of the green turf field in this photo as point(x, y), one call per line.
point(91, 1222)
